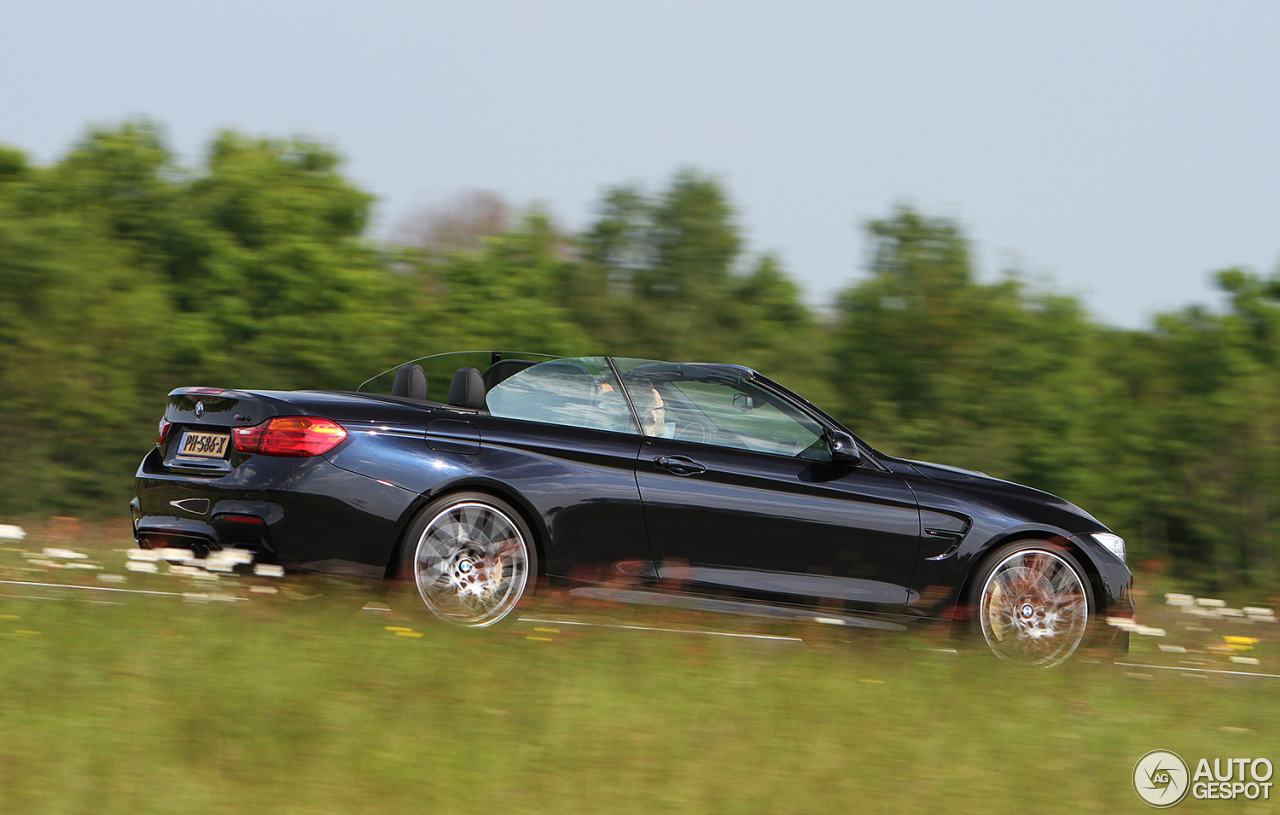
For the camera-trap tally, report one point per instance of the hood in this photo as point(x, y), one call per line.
point(975, 480)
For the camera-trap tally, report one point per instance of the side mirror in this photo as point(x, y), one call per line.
point(844, 450)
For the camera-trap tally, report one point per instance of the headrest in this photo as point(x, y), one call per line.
point(411, 381)
point(467, 389)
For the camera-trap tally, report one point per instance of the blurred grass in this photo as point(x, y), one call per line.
point(118, 703)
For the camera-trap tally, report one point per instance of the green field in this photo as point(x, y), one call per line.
point(235, 701)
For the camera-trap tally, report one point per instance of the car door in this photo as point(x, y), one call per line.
point(562, 436)
point(740, 492)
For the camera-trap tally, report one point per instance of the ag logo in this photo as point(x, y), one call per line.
point(1161, 778)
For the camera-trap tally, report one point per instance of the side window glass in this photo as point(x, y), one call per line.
point(581, 392)
point(691, 403)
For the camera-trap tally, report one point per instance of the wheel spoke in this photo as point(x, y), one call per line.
point(1034, 608)
point(471, 564)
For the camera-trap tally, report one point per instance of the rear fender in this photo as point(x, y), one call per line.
point(532, 518)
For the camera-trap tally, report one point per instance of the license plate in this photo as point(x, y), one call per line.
point(204, 445)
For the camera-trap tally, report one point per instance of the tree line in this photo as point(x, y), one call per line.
point(124, 275)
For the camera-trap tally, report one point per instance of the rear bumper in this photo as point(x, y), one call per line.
point(241, 530)
point(300, 513)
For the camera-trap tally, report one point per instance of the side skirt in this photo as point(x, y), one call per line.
point(653, 598)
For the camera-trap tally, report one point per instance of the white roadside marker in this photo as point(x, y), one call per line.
point(64, 554)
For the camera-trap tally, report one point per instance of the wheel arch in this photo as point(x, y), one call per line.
point(1056, 538)
point(495, 489)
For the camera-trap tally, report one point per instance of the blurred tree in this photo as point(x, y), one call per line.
point(458, 225)
point(661, 278)
point(935, 364)
point(619, 244)
point(269, 252)
point(124, 276)
point(13, 164)
point(694, 242)
point(505, 295)
point(75, 360)
point(1213, 441)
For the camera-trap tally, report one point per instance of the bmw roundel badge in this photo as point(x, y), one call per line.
point(199, 409)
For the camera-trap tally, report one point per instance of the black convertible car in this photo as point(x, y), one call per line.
point(651, 482)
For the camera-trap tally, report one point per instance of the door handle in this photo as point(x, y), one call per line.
point(679, 465)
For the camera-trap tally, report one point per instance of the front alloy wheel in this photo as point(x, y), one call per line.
point(472, 560)
point(1033, 604)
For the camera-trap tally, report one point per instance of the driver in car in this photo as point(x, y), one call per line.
point(652, 411)
point(649, 406)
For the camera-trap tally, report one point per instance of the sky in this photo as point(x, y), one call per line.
point(1118, 151)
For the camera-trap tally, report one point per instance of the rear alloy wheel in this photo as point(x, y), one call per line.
point(471, 559)
point(1033, 604)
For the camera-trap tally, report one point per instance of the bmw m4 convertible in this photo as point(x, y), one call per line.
point(703, 485)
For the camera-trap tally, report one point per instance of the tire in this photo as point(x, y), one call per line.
point(470, 559)
point(1032, 602)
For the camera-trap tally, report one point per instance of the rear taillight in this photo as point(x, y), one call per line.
point(162, 432)
point(290, 436)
